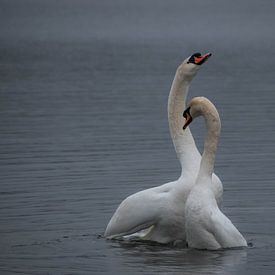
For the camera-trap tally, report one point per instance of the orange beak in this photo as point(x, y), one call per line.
point(202, 59)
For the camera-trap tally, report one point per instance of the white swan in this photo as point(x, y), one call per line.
point(157, 214)
point(206, 226)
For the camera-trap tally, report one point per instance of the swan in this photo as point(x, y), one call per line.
point(157, 214)
point(206, 226)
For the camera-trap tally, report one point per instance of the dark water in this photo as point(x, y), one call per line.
point(83, 124)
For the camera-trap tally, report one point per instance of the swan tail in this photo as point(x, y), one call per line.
point(226, 234)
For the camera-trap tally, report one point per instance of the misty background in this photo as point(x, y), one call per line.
point(83, 124)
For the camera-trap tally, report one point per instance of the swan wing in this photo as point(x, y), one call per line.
point(226, 234)
point(217, 188)
point(137, 212)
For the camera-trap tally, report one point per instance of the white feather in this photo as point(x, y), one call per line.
point(157, 214)
point(206, 226)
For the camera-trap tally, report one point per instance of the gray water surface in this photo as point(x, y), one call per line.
point(83, 124)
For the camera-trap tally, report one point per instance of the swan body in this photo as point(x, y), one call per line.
point(206, 226)
point(157, 214)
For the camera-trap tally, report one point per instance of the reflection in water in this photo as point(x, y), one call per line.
point(167, 258)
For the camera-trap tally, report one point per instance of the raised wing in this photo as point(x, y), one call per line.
point(137, 212)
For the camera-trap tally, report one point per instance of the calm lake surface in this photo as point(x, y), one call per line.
point(83, 124)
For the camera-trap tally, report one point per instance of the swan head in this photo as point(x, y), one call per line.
point(197, 107)
point(192, 64)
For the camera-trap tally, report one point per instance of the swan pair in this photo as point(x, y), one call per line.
point(170, 213)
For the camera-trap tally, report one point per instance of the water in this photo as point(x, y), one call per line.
point(83, 124)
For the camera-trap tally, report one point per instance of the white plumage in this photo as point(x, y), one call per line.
point(157, 214)
point(206, 226)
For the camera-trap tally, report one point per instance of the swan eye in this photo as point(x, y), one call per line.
point(197, 54)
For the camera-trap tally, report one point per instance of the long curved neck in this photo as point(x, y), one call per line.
point(183, 140)
point(213, 126)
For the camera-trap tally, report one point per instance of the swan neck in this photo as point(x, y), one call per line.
point(213, 128)
point(183, 140)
